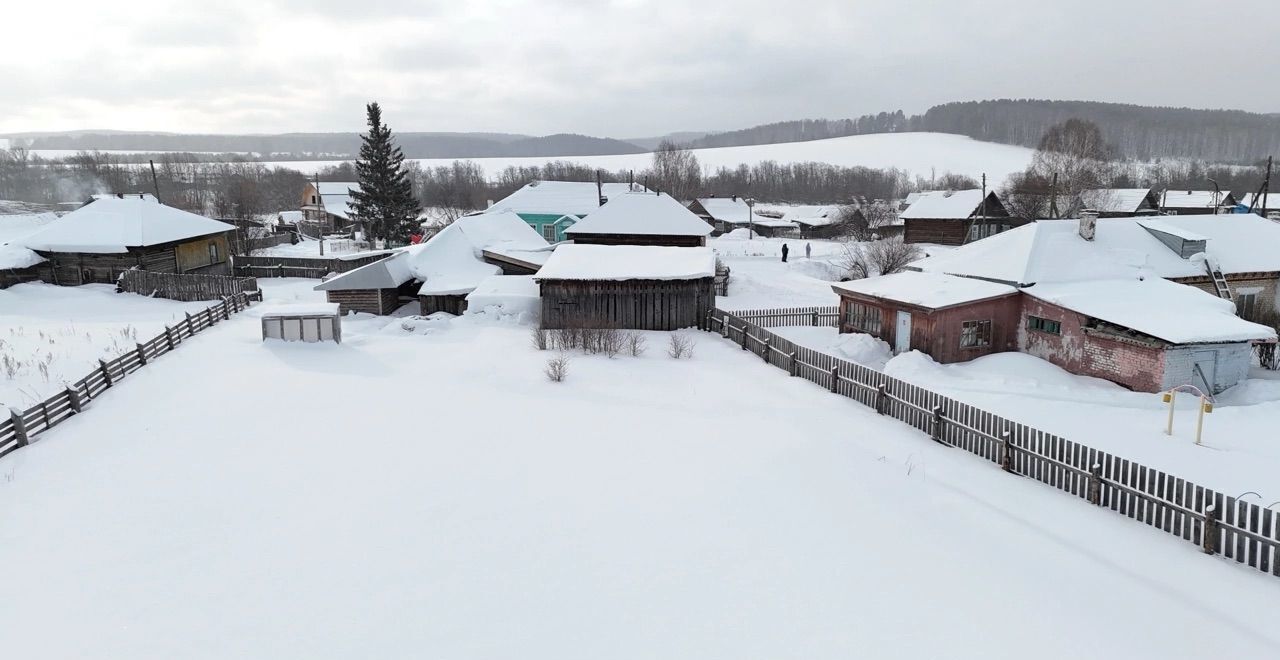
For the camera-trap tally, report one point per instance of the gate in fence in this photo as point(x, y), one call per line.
point(1218, 523)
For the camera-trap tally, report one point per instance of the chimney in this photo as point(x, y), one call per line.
point(1088, 224)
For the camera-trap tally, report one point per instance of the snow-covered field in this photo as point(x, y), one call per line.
point(422, 490)
point(921, 154)
point(54, 335)
point(1238, 451)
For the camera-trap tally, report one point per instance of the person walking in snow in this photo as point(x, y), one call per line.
point(808, 251)
point(785, 250)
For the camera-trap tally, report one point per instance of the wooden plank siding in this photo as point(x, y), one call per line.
point(316, 267)
point(367, 301)
point(455, 305)
point(634, 304)
point(183, 286)
point(1244, 532)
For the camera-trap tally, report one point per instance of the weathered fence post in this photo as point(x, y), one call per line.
point(73, 395)
point(745, 335)
point(226, 311)
point(1095, 484)
point(815, 318)
point(106, 373)
point(142, 356)
point(280, 270)
point(168, 337)
point(881, 399)
point(1006, 453)
point(792, 369)
point(19, 425)
point(835, 377)
point(1211, 527)
point(765, 352)
point(724, 327)
point(936, 430)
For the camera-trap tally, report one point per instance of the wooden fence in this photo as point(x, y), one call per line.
point(247, 245)
point(187, 287)
point(1220, 524)
point(790, 316)
point(300, 266)
point(21, 426)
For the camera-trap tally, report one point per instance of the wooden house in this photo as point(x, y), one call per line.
point(440, 272)
point(98, 241)
point(726, 214)
point(955, 217)
point(327, 206)
point(641, 219)
point(1196, 202)
point(643, 287)
point(1267, 206)
point(18, 263)
point(551, 207)
point(1121, 202)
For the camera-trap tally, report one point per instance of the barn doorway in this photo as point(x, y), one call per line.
point(1204, 370)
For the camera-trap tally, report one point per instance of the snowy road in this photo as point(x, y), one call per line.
point(427, 493)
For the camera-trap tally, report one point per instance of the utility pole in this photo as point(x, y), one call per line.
point(751, 226)
point(155, 183)
point(1217, 196)
point(1053, 197)
point(1259, 201)
point(319, 229)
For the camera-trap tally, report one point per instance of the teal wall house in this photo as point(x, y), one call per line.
point(551, 207)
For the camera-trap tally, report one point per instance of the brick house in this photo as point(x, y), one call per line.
point(1145, 334)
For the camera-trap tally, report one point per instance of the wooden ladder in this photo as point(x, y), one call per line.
point(1219, 281)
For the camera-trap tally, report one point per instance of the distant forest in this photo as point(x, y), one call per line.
point(1138, 132)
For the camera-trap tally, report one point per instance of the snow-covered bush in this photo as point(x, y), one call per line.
point(557, 368)
point(635, 343)
point(680, 346)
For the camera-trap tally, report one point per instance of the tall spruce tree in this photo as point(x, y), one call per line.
point(385, 200)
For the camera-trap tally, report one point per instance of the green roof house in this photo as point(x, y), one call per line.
point(551, 207)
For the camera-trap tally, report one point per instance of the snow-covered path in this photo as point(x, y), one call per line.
point(425, 492)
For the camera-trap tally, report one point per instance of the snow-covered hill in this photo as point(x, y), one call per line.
point(920, 154)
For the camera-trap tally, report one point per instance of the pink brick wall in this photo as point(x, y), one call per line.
point(1140, 368)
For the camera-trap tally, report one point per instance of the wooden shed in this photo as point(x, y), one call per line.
point(955, 217)
point(110, 235)
point(623, 286)
point(637, 218)
point(371, 289)
point(953, 319)
point(307, 322)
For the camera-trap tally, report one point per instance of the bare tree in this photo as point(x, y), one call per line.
point(675, 171)
point(882, 257)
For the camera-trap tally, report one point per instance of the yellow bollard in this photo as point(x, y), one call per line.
point(1205, 407)
point(1169, 398)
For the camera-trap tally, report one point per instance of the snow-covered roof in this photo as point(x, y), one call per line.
point(812, 215)
point(628, 262)
point(1160, 225)
point(112, 225)
point(931, 290)
point(642, 213)
point(1173, 312)
point(290, 217)
point(728, 209)
point(561, 197)
point(511, 293)
point(335, 197)
point(13, 232)
point(1114, 200)
point(147, 196)
point(1201, 199)
point(277, 310)
point(1053, 251)
point(449, 263)
point(1272, 201)
point(944, 205)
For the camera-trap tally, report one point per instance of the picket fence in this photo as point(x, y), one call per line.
point(21, 426)
point(187, 287)
point(1245, 532)
point(314, 267)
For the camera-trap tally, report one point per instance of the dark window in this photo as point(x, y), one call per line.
point(975, 334)
point(213, 253)
point(1044, 325)
point(313, 199)
point(1246, 305)
point(863, 318)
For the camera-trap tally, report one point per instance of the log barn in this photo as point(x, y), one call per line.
point(637, 218)
point(955, 217)
point(640, 287)
point(110, 235)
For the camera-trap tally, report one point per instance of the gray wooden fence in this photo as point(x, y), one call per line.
point(187, 287)
point(17, 430)
point(1245, 532)
point(316, 267)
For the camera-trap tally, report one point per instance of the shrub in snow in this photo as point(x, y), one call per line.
point(635, 343)
point(557, 368)
point(681, 345)
point(588, 338)
point(541, 338)
point(884, 257)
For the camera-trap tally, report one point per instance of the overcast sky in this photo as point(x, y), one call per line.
point(619, 68)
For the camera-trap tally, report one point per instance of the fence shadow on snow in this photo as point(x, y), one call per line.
point(1218, 523)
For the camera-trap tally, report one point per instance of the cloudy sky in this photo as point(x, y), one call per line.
point(619, 68)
